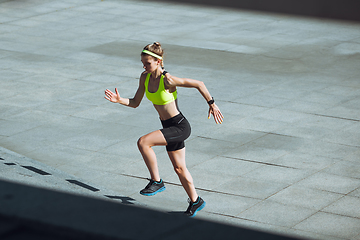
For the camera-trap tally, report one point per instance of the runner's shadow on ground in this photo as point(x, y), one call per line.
point(124, 200)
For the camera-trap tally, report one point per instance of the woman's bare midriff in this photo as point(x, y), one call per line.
point(167, 111)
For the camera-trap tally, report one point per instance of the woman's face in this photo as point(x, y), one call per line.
point(149, 62)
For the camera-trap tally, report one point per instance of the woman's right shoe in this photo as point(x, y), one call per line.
point(194, 207)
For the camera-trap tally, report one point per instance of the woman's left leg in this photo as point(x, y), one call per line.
point(178, 160)
point(145, 144)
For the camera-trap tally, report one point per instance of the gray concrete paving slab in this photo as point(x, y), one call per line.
point(287, 154)
point(306, 197)
point(265, 212)
point(251, 188)
point(279, 174)
point(344, 168)
point(328, 225)
point(330, 182)
point(338, 208)
point(355, 193)
point(305, 161)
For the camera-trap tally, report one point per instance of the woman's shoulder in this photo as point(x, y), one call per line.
point(143, 75)
point(170, 80)
point(142, 78)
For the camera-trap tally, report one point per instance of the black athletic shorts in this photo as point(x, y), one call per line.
point(175, 131)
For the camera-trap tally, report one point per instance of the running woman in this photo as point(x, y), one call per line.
point(160, 88)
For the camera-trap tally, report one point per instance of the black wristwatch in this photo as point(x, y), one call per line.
point(211, 101)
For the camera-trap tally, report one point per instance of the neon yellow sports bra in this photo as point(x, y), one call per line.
point(161, 96)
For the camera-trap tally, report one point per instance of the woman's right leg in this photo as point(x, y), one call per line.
point(178, 160)
point(145, 144)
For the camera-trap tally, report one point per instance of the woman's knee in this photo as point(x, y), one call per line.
point(141, 143)
point(179, 170)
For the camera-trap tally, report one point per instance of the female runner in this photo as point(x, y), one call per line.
point(160, 88)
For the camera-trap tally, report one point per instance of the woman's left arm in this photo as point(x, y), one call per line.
point(173, 81)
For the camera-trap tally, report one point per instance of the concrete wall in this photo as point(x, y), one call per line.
point(335, 9)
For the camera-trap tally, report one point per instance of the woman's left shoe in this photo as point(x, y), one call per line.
point(194, 207)
point(153, 188)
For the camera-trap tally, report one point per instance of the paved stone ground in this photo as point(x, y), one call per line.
point(285, 160)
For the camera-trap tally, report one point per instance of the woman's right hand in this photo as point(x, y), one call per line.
point(112, 97)
point(215, 111)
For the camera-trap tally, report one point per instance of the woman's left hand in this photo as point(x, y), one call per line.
point(215, 111)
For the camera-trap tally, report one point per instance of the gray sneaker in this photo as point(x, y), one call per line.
point(153, 188)
point(194, 207)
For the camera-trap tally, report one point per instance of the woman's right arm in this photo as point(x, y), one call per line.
point(129, 102)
